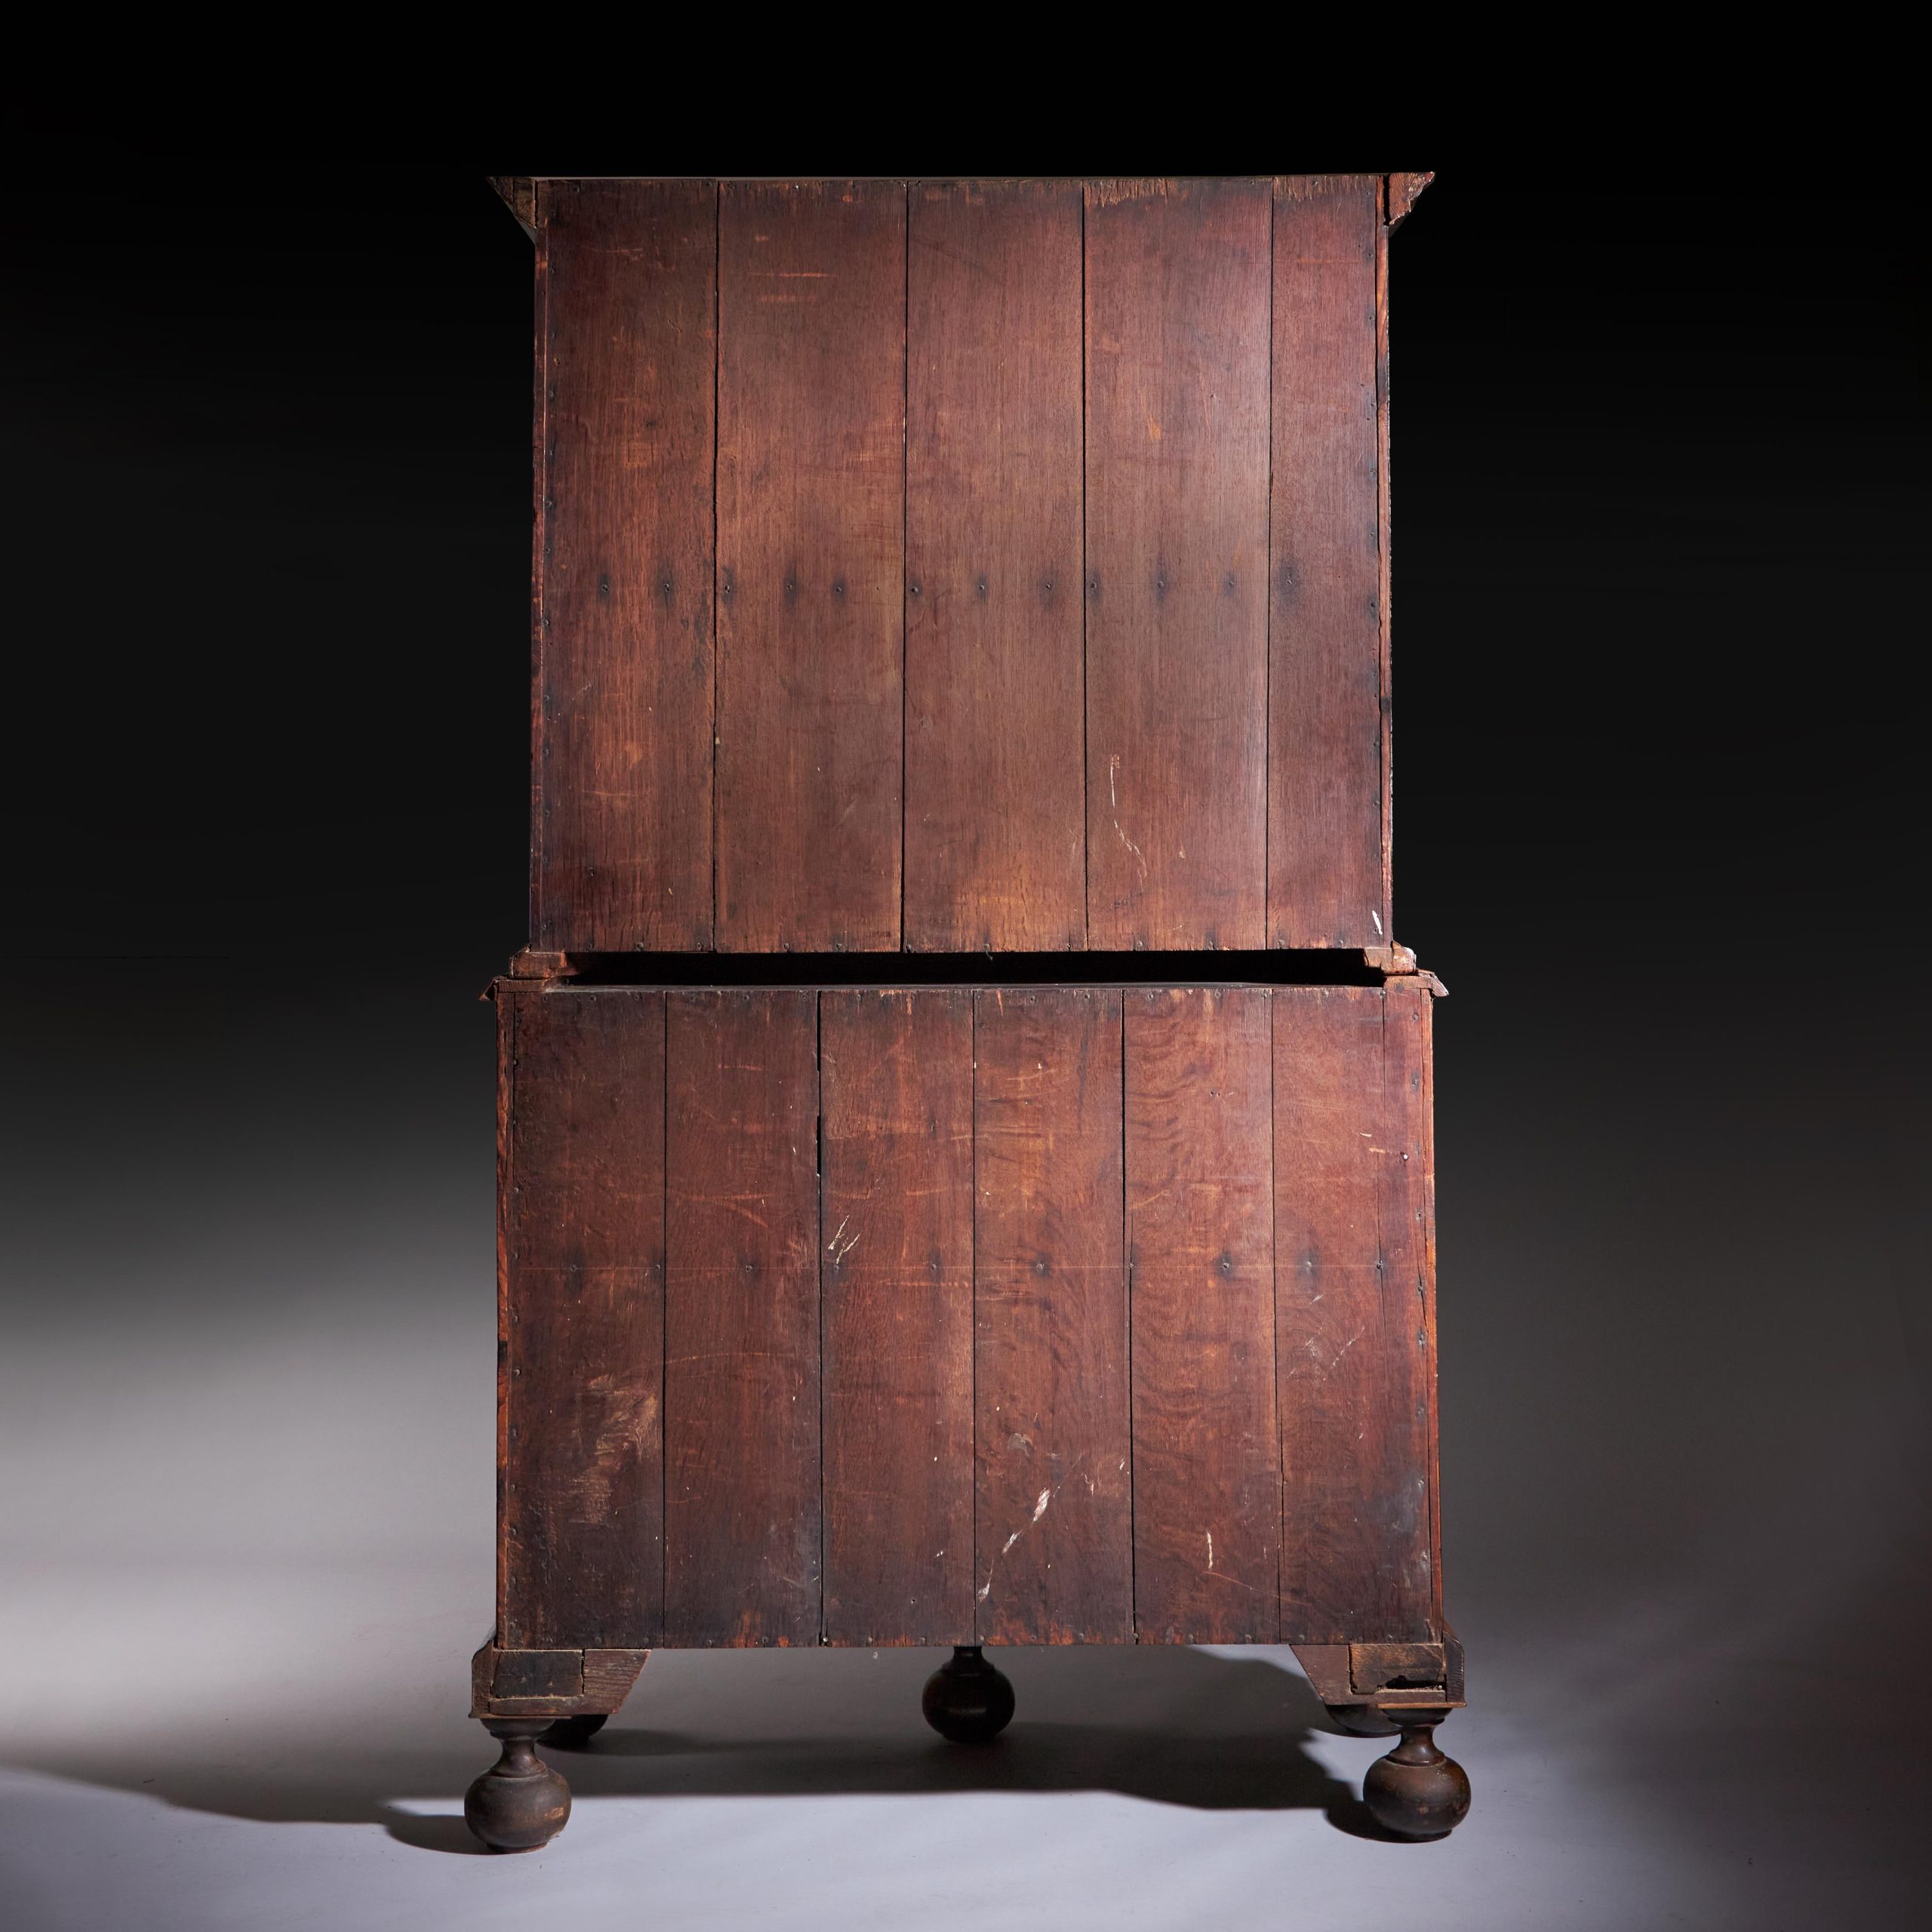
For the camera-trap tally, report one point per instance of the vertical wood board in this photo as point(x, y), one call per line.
point(1176, 547)
point(625, 646)
point(896, 1259)
point(811, 389)
point(1200, 1186)
point(582, 1483)
point(995, 746)
point(741, 1394)
point(1053, 1531)
point(1327, 749)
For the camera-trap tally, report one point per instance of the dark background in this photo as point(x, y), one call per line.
point(1660, 523)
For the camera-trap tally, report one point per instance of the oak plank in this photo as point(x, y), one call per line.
point(896, 1071)
point(582, 1478)
point(1053, 1534)
point(1355, 1550)
point(1176, 547)
point(1327, 755)
point(741, 1389)
point(811, 380)
point(1200, 1253)
point(625, 644)
point(995, 779)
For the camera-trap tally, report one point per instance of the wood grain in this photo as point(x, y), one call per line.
point(741, 1394)
point(811, 382)
point(623, 840)
point(582, 1484)
point(1201, 1239)
point(1053, 1532)
point(1355, 1556)
point(995, 813)
point(1176, 547)
point(896, 1073)
point(1328, 752)
point(1408, 1224)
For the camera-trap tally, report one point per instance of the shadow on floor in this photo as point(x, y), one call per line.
point(1171, 1726)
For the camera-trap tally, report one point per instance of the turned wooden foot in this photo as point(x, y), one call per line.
point(968, 1701)
point(573, 1734)
point(519, 1803)
point(1416, 1792)
point(1360, 1720)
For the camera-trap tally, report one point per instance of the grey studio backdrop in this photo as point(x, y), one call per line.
point(1655, 549)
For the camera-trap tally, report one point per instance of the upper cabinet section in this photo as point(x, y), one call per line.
point(961, 566)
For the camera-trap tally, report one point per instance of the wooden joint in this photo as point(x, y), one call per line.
point(532, 965)
point(1400, 961)
point(1390, 1676)
point(1402, 193)
point(560, 1683)
point(519, 196)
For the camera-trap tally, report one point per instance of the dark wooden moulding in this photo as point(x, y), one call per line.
point(972, 569)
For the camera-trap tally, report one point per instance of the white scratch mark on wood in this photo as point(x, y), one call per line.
point(1343, 1350)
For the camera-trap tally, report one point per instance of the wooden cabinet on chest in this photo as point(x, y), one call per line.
point(994, 572)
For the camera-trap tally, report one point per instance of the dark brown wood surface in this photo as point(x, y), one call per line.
point(817, 464)
point(741, 1362)
point(1039, 1258)
point(623, 841)
point(1053, 1529)
point(583, 1320)
point(896, 1257)
point(1177, 545)
point(811, 387)
point(994, 734)
point(1408, 1242)
point(1326, 885)
point(1200, 1185)
point(1352, 1298)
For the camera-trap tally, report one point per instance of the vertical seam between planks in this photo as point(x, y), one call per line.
point(1274, 1307)
point(1268, 617)
point(1086, 778)
point(717, 629)
point(1385, 563)
point(540, 525)
point(664, 1344)
point(1126, 1270)
point(505, 1141)
point(818, 1267)
point(905, 534)
point(1406, 1570)
point(973, 1117)
point(1275, 1321)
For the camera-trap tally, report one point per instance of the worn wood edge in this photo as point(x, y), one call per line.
point(531, 963)
point(1399, 962)
point(518, 192)
point(1361, 1673)
point(1403, 192)
point(511, 1683)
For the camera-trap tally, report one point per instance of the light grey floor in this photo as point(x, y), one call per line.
point(249, 1578)
point(245, 1420)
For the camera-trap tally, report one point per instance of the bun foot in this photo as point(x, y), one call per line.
point(1360, 1720)
point(1416, 1792)
point(573, 1733)
point(968, 1701)
point(519, 1803)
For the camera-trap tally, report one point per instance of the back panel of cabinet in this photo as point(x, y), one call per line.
point(1021, 1315)
point(960, 565)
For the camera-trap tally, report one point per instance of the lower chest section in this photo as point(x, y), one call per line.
point(956, 1314)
